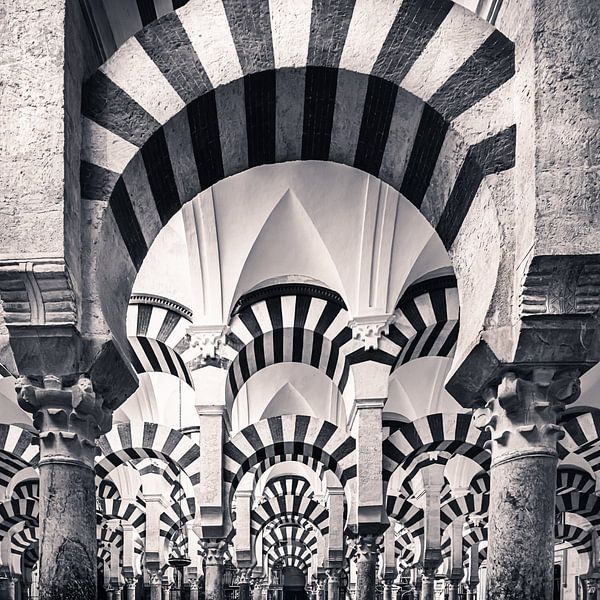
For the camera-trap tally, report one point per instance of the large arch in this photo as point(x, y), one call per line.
point(289, 437)
point(223, 107)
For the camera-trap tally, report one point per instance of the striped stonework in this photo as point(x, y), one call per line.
point(123, 510)
point(584, 505)
point(30, 488)
point(289, 507)
point(287, 485)
point(470, 504)
point(23, 542)
point(452, 433)
point(16, 452)
point(578, 538)
point(290, 437)
point(573, 479)
point(156, 330)
point(17, 510)
point(216, 88)
point(582, 432)
point(127, 442)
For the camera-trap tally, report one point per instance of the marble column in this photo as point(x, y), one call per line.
point(130, 588)
point(453, 589)
point(472, 592)
point(193, 589)
point(155, 586)
point(521, 414)
point(321, 588)
point(166, 590)
point(7, 588)
point(333, 584)
point(388, 588)
point(591, 588)
point(367, 551)
point(69, 419)
point(428, 585)
point(257, 589)
point(110, 593)
point(213, 572)
point(244, 584)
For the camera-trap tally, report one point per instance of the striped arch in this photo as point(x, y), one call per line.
point(464, 506)
point(480, 484)
point(127, 442)
point(294, 551)
point(453, 433)
point(425, 323)
point(289, 437)
point(16, 452)
point(412, 519)
point(231, 87)
point(29, 488)
point(289, 535)
point(108, 490)
point(572, 479)
point(156, 329)
point(289, 507)
point(419, 462)
point(130, 512)
point(584, 505)
point(283, 485)
point(16, 511)
point(294, 323)
point(578, 538)
point(404, 549)
point(582, 433)
point(24, 548)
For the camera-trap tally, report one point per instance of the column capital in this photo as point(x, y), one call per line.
point(245, 575)
point(214, 550)
point(69, 418)
point(131, 583)
point(206, 341)
point(193, 584)
point(333, 574)
point(367, 547)
point(369, 329)
point(521, 410)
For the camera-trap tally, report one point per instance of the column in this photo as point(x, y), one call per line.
point(472, 571)
point(130, 587)
point(521, 412)
point(69, 419)
point(388, 588)
point(257, 588)
point(166, 590)
point(453, 589)
point(7, 588)
point(456, 571)
point(244, 584)
point(110, 593)
point(321, 588)
point(193, 589)
point(431, 558)
point(367, 550)
point(155, 586)
point(472, 591)
point(333, 584)
point(213, 572)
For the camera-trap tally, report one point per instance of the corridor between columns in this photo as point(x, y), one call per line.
point(299, 300)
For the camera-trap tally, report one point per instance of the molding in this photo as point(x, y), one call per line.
point(37, 291)
point(561, 285)
point(162, 302)
point(287, 289)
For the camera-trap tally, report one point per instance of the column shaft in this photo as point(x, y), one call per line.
point(522, 518)
point(7, 589)
point(428, 587)
point(366, 563)
point(244, 591)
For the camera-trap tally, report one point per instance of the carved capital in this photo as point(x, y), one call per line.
point(131, 583)
point(155, 579)
point(370, 329)
point(367, 548)
point(214, 551)
point(334, 575)
point(193, 584)
point(522, 410)
point(206, 341)
point(244, 576)
point(69, 418)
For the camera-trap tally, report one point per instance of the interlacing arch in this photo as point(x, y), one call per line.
point(289, 323)
point(131, 512)
point(156, 330)
point(289, 437)
point(16, 452)
point(578, 538)
point(230, 105)
point(573, 479)
point(582, 433)
point(16, 510)
point(283, 485)
point(127, 442)
point(24, 548)
point(443, 432)
point(584, 505)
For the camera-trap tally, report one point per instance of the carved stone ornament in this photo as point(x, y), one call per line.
point(193, 584)
point(214, 551)
point(206, 340)
point(334, 575)
point(521, 412)
point(367, 548)
point(370, 329)
point(155, 579)
point(69, 419)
